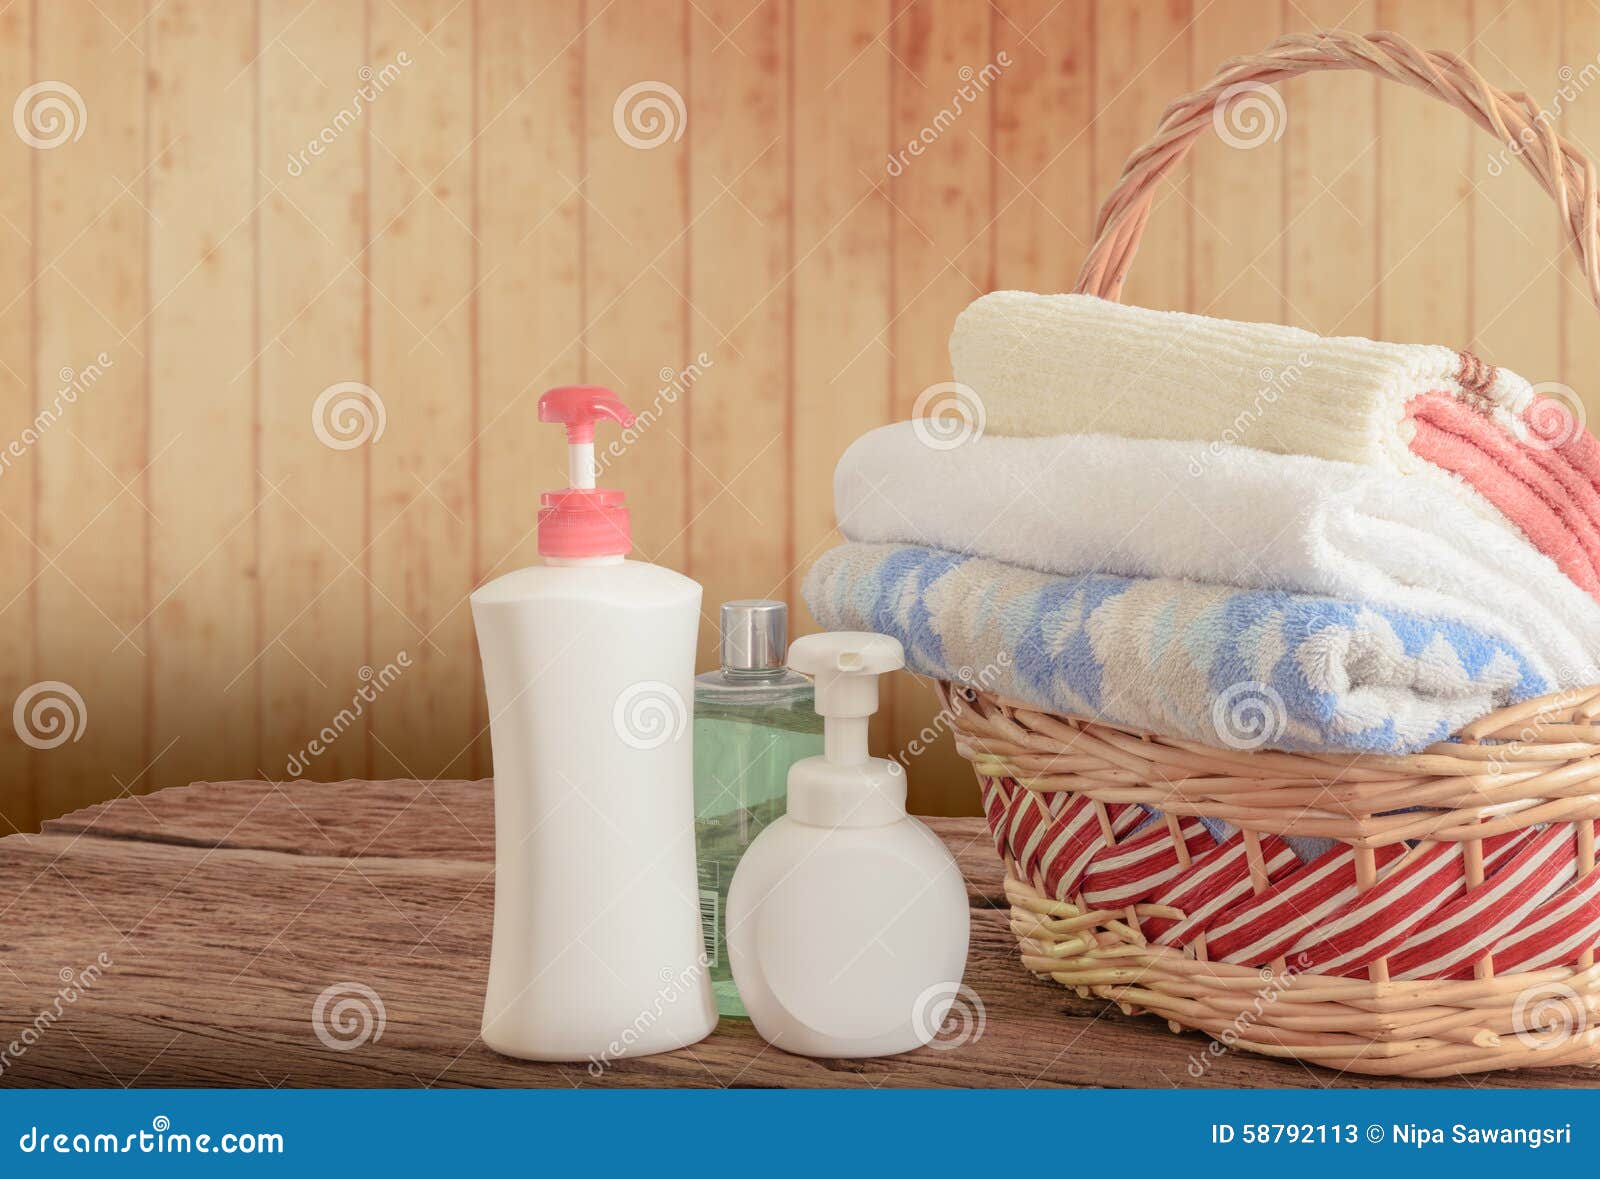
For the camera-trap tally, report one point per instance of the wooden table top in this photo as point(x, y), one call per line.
point(209, 919)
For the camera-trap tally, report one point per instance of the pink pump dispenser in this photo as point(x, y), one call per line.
point(588, 666)
point(583, 520)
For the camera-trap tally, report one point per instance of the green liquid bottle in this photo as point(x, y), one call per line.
point(753, 719)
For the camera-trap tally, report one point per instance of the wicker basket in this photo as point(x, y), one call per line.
point(1128, 916)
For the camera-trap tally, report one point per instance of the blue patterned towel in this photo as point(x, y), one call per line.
point(1242, 668)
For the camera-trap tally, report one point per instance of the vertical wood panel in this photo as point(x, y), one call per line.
point(1044, 202)
point(740, 474)
point(1580, 359)
point(311, 336)
point(1518, 235)
point(1426, 153)
point(91, 300)
point(1332, 152)
point(203, 490)
point(1044, 138)
point(637, 255)
point(841, 263)
point(841, 266)
point(18, 804)
point(422, 278)
point(1142, 62)
point(549, 249)
point(530, 305)
point(1238, 181)
point(943, 259)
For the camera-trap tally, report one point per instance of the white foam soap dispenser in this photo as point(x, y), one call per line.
point(847, 918)
point(588, 662)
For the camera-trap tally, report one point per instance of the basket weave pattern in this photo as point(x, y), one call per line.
point(1452, 929)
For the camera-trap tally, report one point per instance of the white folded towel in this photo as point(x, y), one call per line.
point(1221, 515)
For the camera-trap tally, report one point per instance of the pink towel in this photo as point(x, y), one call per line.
point(1548, 489)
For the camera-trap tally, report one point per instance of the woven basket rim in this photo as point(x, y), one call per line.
point(1445, 792)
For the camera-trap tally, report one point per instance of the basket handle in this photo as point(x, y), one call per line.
point(1562, 168)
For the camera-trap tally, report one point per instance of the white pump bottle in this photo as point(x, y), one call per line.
point(847, 918)
point(588, 661)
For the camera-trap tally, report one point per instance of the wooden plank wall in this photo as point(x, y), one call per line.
point(302, 423)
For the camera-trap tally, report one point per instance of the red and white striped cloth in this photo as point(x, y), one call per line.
point(1053, 843)
point(1529, 911)
point(1407, 894)
point(1558, 932)
point(1215, 881)
point(1464, 930)
point(1127, 873)
point(1262, 928)
point(993, 791)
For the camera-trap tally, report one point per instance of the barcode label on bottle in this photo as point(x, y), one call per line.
point(708, 924)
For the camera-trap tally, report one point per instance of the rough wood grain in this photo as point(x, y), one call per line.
point(223, 910)
point(423, 820)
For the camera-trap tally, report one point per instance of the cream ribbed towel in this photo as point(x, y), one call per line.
point(1076, 364)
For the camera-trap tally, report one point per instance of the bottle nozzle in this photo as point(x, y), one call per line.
point(581, 521)
point(845, 666)
point(580, 407)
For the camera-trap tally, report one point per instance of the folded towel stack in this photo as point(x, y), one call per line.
point(1244, 535)
point(1080, 503)
point(1075, 364)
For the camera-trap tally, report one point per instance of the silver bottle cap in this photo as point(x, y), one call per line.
point(755, 635)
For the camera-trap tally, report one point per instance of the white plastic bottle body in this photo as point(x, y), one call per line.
point(848, 941)
point(589, 671)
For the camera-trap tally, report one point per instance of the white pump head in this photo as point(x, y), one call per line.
point(845, 787)
point(846, 665)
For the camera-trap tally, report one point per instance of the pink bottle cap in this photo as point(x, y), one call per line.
point(583, 520)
